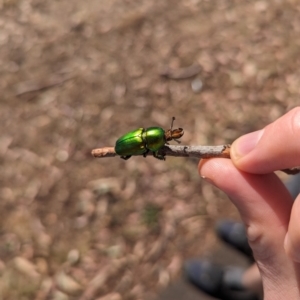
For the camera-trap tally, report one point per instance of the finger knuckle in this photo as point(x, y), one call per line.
point(259, 243)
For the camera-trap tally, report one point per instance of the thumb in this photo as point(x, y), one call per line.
point(275, 147)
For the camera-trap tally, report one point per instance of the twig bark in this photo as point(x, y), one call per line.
point(176, 150)
point(222, 151)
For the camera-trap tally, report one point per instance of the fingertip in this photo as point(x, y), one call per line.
point(204, 169)
point(201, 165)
point(213, 169)
point(201, 169)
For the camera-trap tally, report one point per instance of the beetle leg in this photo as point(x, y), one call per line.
point(125, 157)
point(159, 156)
point(145, 153)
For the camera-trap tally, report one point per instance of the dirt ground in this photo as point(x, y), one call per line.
point(76, 75)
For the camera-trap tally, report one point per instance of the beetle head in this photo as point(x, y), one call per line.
point(174, 134)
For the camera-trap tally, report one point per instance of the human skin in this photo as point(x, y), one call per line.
point(267, 209)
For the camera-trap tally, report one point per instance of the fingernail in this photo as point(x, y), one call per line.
point(246, 143)
point(207, 179)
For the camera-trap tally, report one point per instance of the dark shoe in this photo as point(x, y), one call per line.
point(216, 281)
point(234, 234)
point(293, 185)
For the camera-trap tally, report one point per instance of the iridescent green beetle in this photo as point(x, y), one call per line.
point(143, 140)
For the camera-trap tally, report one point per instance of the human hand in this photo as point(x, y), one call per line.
point(271, 217)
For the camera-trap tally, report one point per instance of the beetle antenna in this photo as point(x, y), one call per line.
point(173, 118)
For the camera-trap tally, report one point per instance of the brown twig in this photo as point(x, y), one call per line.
point(222, 151)
point(30, 86)
point(176, 150)
point(182, 73)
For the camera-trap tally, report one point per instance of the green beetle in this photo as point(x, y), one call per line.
point(143, 140)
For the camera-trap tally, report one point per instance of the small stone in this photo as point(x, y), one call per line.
point(62, 155)
point(25, 267)
point(45, 288)
point(73, 256)
point(105, 185)
point(85, 207)
point(249, 69)
point(163, 278)
point(197, 85)
point(58, 295)
point(67, 284)
point(43, 243)
point(111, 296)
point(114, 251)
point(81, 222)
point(42, 265)
point(261, 6)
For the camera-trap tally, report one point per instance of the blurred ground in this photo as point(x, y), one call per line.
point(76, 75)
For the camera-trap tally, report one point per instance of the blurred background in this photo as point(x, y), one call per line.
point(76, 75)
